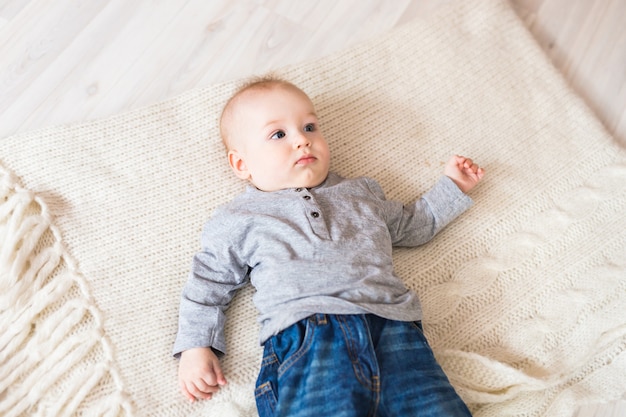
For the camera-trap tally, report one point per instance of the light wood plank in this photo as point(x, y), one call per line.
point(75, 80)
point(587, 42)
point(10, 8)
point(32, 41)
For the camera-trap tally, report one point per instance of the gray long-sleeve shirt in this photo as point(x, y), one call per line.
point(326, 249)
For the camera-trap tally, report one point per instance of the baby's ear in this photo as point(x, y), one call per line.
point(238, 165)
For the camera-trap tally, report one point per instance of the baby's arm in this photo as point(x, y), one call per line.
point(200, 374)
point(464, 172)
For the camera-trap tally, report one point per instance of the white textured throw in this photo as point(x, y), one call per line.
point(524, 295)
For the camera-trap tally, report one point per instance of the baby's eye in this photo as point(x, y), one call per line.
point(278, 135)
point(310, 127)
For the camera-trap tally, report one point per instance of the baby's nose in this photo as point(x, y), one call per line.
point(301, 140)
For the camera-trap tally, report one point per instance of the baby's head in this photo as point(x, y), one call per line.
point(272, 136)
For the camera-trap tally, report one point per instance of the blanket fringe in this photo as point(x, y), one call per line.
point(54, 357)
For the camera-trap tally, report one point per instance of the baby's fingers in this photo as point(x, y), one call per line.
point(190, 391)
point(219, 375)
point(186, 393)
point(199, 390)
point(471, 168)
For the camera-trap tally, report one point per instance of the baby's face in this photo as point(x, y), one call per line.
point(276, 141)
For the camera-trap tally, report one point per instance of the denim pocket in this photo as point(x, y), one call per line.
point(293, 343)
point(265, 400)
point(281, 353)
point(264, 393)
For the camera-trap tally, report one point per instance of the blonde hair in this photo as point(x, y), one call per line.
point(264, 82)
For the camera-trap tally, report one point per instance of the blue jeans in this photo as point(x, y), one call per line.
point(353, 365)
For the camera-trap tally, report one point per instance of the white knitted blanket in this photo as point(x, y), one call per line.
point(524, 295)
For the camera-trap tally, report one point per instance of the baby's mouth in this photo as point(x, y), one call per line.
point(306, 159)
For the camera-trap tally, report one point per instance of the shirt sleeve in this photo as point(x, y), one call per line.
point(417, 223)
point(216, 274)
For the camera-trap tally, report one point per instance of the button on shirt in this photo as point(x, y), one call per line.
point(326, 249)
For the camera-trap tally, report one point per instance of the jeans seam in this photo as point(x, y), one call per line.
point(297, 355)
point(265, 397)
point(373, 383)
point(263, 389)
point(268, 360)
point(418, 325)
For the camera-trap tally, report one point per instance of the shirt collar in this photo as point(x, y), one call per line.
point(331, 178)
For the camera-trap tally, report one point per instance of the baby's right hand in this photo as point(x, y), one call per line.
point(199, 374)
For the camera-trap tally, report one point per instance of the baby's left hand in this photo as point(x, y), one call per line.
point(464, 172)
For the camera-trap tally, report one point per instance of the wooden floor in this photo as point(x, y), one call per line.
point(65, 61)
